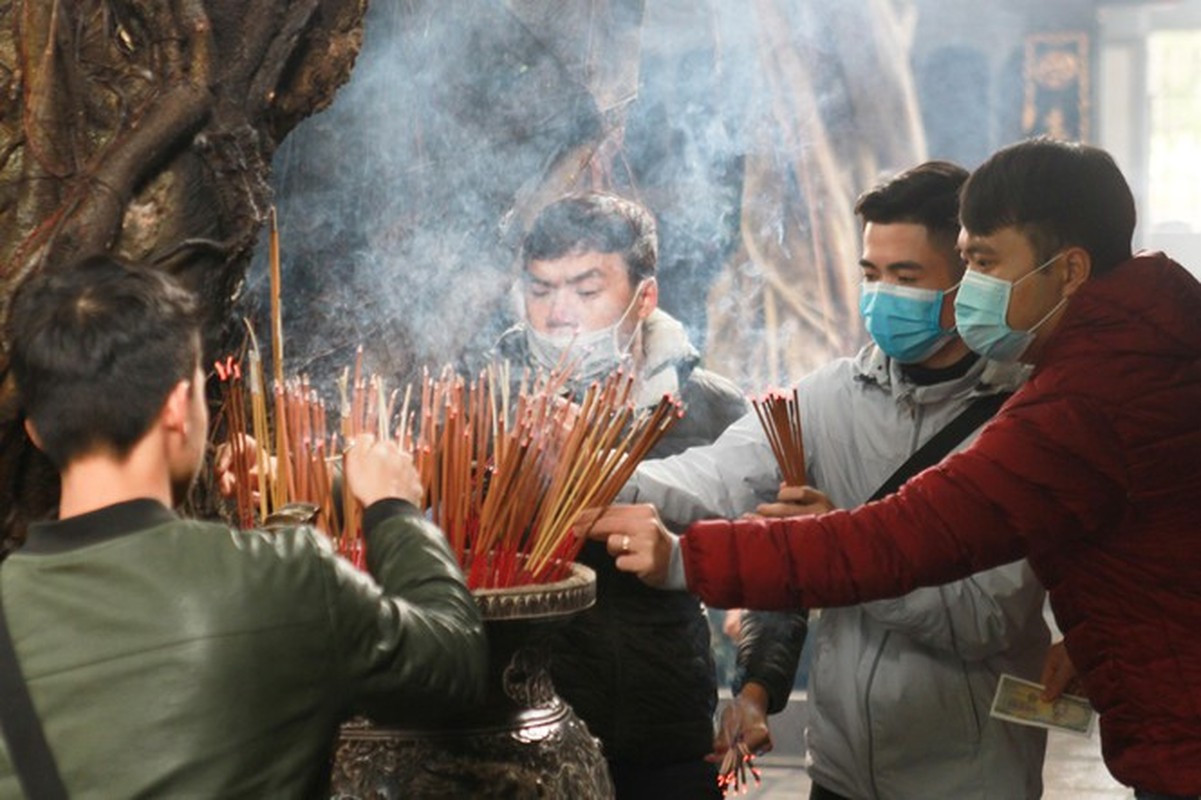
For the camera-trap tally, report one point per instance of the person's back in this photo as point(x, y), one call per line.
point(173, 658)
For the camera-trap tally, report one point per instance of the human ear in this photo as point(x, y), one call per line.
point(174, 415)
point(648, 300)
point(1078, 266)
point(32, 431)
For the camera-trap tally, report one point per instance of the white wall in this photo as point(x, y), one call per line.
point(1124, 99)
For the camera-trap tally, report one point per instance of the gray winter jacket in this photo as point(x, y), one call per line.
point(899, 689)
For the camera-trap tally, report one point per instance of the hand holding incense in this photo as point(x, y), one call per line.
point(738, 770)
point(377, 469)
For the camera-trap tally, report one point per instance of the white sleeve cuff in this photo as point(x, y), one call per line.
point(676, 580)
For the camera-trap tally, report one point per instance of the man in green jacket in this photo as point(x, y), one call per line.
point(174, 658)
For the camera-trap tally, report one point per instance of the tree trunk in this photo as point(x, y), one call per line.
point(145, 128)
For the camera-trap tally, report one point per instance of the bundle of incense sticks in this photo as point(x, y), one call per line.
point(780, 416)
point(294, 462)
point(233, 406)
point(506, 478)
point(301, 468)
point(737, 770)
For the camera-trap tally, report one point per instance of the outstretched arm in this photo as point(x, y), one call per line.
point(1022, 487)
point(723, 479)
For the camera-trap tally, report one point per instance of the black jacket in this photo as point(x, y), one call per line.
point(637, 667)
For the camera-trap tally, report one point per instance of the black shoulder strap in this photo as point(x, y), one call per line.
point(976, 414)
point(27, 749)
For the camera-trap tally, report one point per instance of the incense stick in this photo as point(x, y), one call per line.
point(780, 417)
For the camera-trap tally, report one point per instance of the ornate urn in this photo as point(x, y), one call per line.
point(522, 742)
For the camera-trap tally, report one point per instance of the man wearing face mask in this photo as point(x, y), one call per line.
point(1090, 471)
point(636, 667)
point(881, 670)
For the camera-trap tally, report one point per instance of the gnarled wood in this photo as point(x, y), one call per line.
point(146, 128)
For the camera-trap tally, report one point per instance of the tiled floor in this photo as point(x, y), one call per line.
point(1073, 771)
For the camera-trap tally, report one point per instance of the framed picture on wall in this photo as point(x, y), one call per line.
point(1056, 99)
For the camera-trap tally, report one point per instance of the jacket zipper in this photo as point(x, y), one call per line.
point(867, 705)
point(918, 416)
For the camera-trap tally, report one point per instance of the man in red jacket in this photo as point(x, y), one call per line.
point(1091, 471)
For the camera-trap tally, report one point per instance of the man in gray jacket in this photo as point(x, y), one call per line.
point(899, 690)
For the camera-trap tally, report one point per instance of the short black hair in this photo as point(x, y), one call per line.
point(1058, 194)
point(595, 222)
point(926, 195)
point(95, 350)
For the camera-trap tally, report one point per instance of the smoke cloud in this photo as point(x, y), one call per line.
point(747, 128)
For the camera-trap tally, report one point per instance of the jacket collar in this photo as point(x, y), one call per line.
point(1146, 305)
point(668, 358)
point(985, 377)
point(101, 525)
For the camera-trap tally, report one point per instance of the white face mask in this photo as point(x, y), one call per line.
point(592, 354)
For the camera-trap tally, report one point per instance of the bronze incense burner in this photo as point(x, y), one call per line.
point(522, 742)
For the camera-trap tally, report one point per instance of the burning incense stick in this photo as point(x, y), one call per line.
point(258, 416)
point(507, 487)
point(233, 412)
point(505, 476)
point(277, 324)
point(737, 770)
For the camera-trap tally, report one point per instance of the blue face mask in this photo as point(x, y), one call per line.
point(904, 320)
point(982, 310)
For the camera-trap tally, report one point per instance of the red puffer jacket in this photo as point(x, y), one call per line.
point(1092, 471)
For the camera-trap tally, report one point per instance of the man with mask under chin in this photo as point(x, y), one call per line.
point(899, 690)
point(637, 666)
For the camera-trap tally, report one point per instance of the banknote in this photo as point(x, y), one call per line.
point(1019, 701)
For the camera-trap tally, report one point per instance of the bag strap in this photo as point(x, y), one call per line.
point(27, 749)
point(954, 432)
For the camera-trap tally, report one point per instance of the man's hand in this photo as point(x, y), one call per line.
point(796, 501)
point(376, 470)
point(224, 468)
point(1059, 674)
point(744, 720)
point(731, 626)
point(635, 536)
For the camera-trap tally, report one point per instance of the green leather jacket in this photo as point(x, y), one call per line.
point(179, 659)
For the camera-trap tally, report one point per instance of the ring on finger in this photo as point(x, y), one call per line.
point(625, 543)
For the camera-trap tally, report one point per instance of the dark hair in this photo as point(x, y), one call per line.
point(595, 222)
point(95, 350)
point(1057, 194)
point(926, 195)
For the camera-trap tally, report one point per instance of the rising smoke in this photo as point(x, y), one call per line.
point(748, 128)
